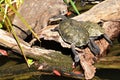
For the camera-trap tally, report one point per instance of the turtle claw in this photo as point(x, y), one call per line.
point(107, 39)
point(93, 47)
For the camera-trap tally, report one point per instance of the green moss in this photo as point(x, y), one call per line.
point(63, 62)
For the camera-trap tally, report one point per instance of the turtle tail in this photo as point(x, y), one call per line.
point(107, 39)
point(93, 47)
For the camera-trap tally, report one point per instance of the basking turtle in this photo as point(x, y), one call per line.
point(77, 36)
point(95, 31)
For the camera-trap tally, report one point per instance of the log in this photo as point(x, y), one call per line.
point(49, 59)
point(98, 12)
point(105, 10)
point(112, 29)
point(8, 41)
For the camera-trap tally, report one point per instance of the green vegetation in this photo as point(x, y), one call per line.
point(73, 5)
point(8, 4)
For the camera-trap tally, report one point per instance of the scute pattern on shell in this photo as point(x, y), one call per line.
point(71, 32)
point(93, 28)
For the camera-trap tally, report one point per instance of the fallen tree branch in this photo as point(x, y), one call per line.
point(7, 41)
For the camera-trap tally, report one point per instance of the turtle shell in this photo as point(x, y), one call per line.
point(70, 32)
point(93, 28)
point(95, 31)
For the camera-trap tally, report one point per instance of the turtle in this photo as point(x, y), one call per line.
point(95, 31)
point(76, 36)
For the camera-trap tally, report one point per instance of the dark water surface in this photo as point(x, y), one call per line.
point(14, 68)
point(108, 74)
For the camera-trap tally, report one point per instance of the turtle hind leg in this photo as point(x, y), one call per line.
point(107, 39)
point(76, 58)
point(93, 47)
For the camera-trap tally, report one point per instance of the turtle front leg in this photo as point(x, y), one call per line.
point(93, 47)
point(75, 56)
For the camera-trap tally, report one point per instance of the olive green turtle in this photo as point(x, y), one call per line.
point(76, 36)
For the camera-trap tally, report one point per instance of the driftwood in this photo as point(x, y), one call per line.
point(95, 15)
point(8, 41)
point(106, 10)
point(112, 29)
